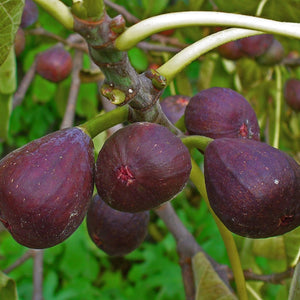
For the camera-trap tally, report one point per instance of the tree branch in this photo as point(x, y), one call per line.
point(28, 254)
point(38, 274)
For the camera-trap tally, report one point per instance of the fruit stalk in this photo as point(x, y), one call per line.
point(197, 178)
point(105, 121)
point(59, 11)
point(196, 141)
point(152, 25)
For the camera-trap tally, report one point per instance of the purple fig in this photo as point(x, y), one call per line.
point(54, 64)
point(231, 50)
point(141, 166)
point(30, 14)
point(292, 93)
point(273, 55)
point(221, 112)
point(252, 187)
point(115, 232)
point(46, 186)
point(256, 45)
point(174, 107)
point(20, 41)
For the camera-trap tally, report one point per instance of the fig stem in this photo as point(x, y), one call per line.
point(196, 141)
point(147, 27)
point(104, 121)
point(278, 97)
point(197, 177)
point(59, 11)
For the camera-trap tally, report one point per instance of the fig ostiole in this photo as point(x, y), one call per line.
point(141, 166)
point(252, 187)
point(46, 186)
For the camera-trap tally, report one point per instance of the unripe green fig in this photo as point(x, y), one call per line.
point(141, 166)
point(46, 186)
point(115, 232)
point(252, 187)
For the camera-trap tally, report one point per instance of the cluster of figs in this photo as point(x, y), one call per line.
point(47, 186)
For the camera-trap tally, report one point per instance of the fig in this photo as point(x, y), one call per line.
point(252, 187)
point(221, 112)
point(54, 64)
point(256, 45)
point(292, 93)
point(174, 107)
point(231, 50)
point(20, 41)
point(115, 232)
point(30, 14)
point(46, 187)
point(273, 55)
point(141, 166)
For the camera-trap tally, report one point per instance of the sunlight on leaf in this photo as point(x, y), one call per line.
point(208, 283)
point(10, 18)
point(294, 293)
point(8, 288)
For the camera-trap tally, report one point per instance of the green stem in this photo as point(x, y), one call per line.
point(145, 28)
point(197, 178)
point(59, 11)
point(105, 121)
point(278, 98)
point(196, 141)
point(182, 59)
point(260, 7)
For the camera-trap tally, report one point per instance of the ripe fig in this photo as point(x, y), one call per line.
point(141, 166)
point(115, 232)
point(46, 186)
point(292, 93)
point(20, 41)
point(30, 14)
point(174, 107)
point(256, 45)
point(252, 187)
point(231, 50)
point(54, 64)
point(273, 55)
point(221, 112)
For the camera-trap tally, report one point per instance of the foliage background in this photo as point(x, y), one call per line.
point(76, 269)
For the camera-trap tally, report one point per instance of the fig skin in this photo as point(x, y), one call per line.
point(256, 45)
point(20, 41)
point(221, 112)
point(252, 187)
point(30, 14)
point(174, 106)
point(54, 64)
point(273, 55)
point(141, 166)
point(46, 186)
point(231, 50)
point(115, 232)
point(292, 93)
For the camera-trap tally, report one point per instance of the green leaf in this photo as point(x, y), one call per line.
point(10, 18)
point(292, 246)
point(294, 293)
point(8, 288)
point(5, 111)
point(8, 74)
point(138, 59)
point(208, 283)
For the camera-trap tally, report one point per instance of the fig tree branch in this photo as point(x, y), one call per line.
point(38, 274)
point(28, 254)
point(68, 119)
point(24, 85)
